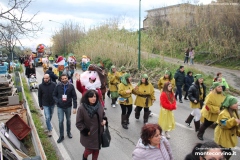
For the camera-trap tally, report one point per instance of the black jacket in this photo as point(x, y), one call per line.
point(179, 78)
point(52, 75)
point(193, 93)
point(45, 92)
point(188, 82)
point(30, 71)
point(71, 96)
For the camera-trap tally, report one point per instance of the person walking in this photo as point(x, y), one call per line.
point(114, 80)
point(227, 131)
point(179, 80)
point(53, 76)
point(104, 85)
point(90, 121)
point(222, 80)
point(122, 71)
point(64, 95)
point(196, 94)
point(125, 90)
point(46, 101)
point(191, 55)
point(188, 82)
point(211, 109)
point(186, 56)
point(144, 97)
point(166, 78)
point(152, 145)
point(168, 102)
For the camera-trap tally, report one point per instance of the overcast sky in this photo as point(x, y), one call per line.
point(88, 13)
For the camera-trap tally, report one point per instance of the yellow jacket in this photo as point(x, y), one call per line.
point(225, 133)
point(162, 81)
point(45, 67)
point(113, 81)
point(212, 105)
point(122, 93)
point(121, 73)
point(145, 95)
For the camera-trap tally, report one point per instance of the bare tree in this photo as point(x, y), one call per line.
point(67, 36)
point(14, 25)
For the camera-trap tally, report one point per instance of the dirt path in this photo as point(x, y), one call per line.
point(232, 76)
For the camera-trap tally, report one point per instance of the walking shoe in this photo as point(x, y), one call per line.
point(69, 135)
point(188, 125)
point(180, 101)
point(167, 135)
point(60, 139)
point(113, 105)
point(186, 98)
point(49, 133)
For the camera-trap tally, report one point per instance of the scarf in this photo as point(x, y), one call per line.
point(91, 109)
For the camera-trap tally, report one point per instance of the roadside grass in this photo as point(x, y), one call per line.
point(50, 152)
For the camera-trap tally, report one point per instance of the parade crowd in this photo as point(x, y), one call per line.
point(208, 109)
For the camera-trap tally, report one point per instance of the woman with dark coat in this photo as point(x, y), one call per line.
point(196, 95)
point(90, 121)
point(188, 82)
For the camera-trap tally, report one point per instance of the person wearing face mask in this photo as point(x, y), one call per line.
point(64, 95)
point(90, 121)
point(227, 131)
point(152, 145)
point(46, 101)
point(211, 109)
point(196, 94)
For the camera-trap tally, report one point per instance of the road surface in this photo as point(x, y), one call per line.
point(124, 141)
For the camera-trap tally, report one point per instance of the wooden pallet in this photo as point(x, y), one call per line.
point(7, 112)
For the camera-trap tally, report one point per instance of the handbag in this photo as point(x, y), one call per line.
point(106, 137)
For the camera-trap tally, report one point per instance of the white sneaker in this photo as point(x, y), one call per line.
point(113, 105)
point(116, 102)
point(167, 135)
point(151, 114)
point(49, 133)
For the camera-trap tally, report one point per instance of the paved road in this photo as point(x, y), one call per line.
point(231, 76)
point(123, 141)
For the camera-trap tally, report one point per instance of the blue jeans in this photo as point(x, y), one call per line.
point(191, 60)
point(67, 112)
point(48, 112)
point(179, 91)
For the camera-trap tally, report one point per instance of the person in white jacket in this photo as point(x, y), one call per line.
point(152, 145)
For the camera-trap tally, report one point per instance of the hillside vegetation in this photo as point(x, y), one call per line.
point(214, 33)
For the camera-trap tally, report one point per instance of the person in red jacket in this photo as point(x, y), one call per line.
point(168, 102)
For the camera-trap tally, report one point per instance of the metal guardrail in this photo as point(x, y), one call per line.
point(35, 138)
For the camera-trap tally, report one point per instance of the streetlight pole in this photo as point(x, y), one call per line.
point(63, 36)
point(139, 37)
